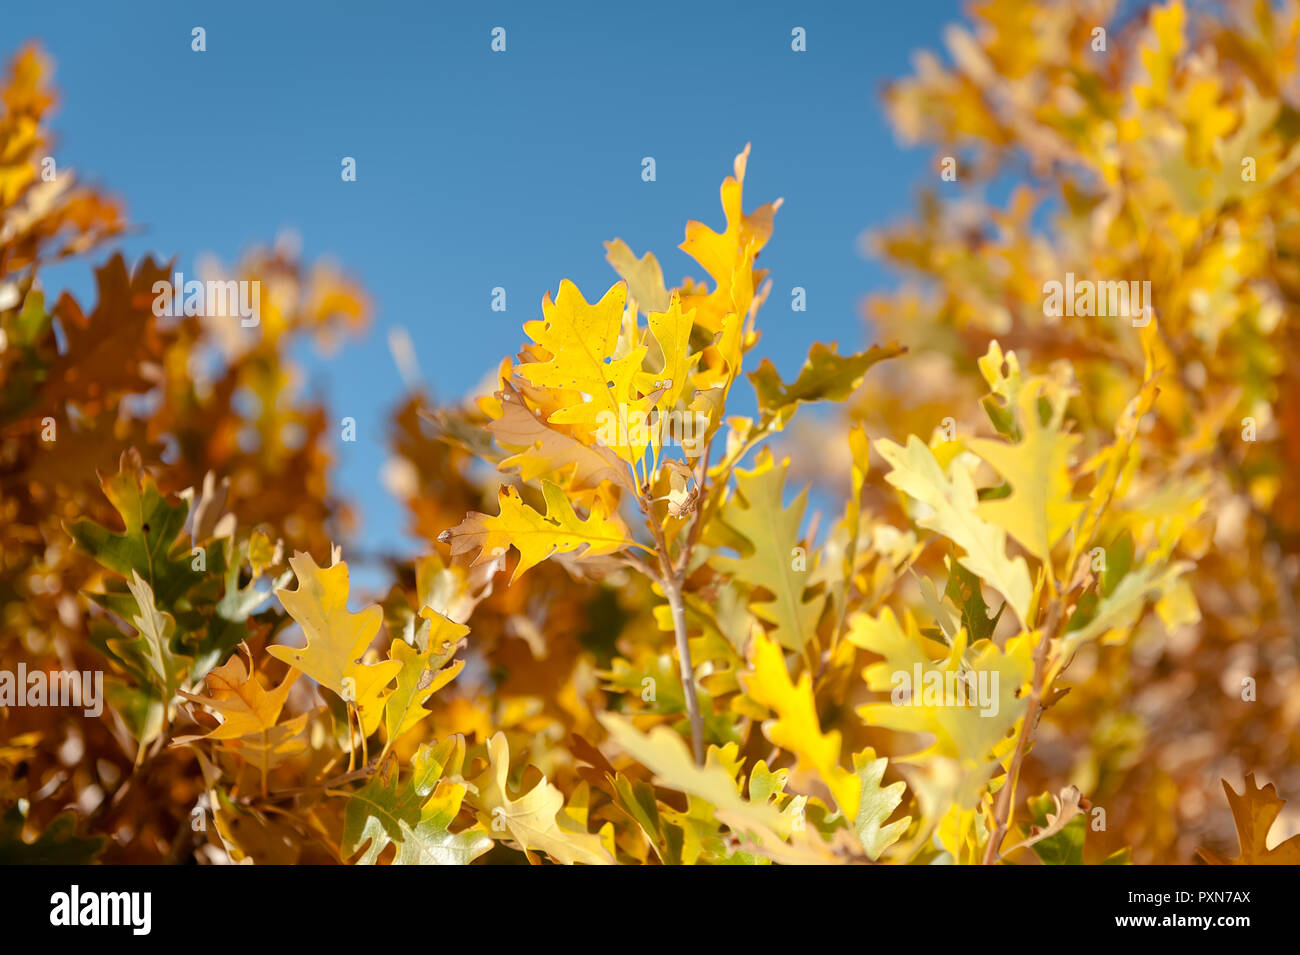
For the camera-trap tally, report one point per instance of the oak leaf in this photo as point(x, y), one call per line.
point(796, 728)
point(954, 512)
point(414, 814)
point(238, 697)
point(424, 671)
point(336, 638)
point(1254, 810)
point(537, 536)
point(1041, 507)
point(825, 376)
point(539, 449)
point(771, 560)
point(532, 819)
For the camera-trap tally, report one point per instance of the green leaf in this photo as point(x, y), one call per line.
point(59, 844)
point(33, 320)
point(1060, 848)
point(964, 591)
point(414, 815)
point(637, 799)
point(876, 805)
point(825, 376)
point(152, 525)
point(163, 668)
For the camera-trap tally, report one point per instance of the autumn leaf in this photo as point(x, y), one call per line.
point(582, 341)
point(336, 638)
point(153, 643)
point(663, 752)
point(1254, 810)
point(796, 728)
point(671, 331)
point(772, 558)
point(1120, 606)
point(238, 697)
point(1059, 831)
point(414, 814)
point(967, 700)
point(152, 525)
point(954, 512)
point(424, 671)
point(541, 450)
point(537, 536)
point(825, 376)
point(876, 804)
point(644, 277)
point(1041, 507)
point(720, 252)
point(533, 819)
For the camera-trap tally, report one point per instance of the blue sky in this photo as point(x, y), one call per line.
point(479, 169)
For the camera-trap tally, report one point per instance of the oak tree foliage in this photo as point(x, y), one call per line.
point(635, 636)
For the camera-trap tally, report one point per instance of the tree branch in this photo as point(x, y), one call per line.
point(1006, 797)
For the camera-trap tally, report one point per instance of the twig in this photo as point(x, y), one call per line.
point(673, 591)
point(1006, 798)
point(671, 581)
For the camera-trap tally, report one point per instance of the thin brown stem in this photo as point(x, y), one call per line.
point(673, 591)
point(671, 581)
point(1007, 796)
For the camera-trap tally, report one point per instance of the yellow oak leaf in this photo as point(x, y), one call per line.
point(270, 748)
point(644, 277)
point(582, 341)
point(545, 450)
point(336, 638)
point(735, 334)
point(532, 820)
point(774, 559)
point(238, 697)
point(671, 329)
point(261, 552)
point(954, 513)
point(720, 252)
point(1040, 508)
point(796, 727)
point(968, 699)
point(535, 536)
point(665, 753)
point(423, 672)
point(1160, 53)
